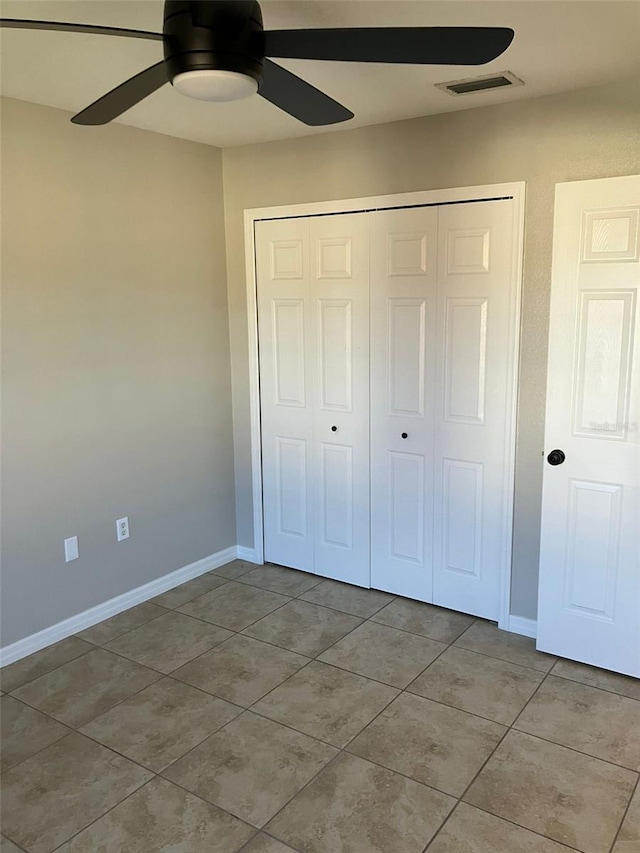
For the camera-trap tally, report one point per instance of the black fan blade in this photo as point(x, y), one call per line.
point(413, 45)
point(59, 26)
point(124, 96)
point(299, 98)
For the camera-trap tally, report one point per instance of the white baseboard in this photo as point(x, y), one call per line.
point(70, 626)
point(88, 618)
point(524, 626)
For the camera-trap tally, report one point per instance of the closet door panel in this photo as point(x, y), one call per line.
point(286, 333)
point(403, 300)
point(339, 282)
point(474, 364)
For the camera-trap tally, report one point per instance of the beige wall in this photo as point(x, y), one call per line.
point(116, 376)
point(590, 133)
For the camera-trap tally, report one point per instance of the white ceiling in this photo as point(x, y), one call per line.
point(559, 45)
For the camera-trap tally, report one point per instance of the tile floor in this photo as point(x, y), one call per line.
point(266, 710)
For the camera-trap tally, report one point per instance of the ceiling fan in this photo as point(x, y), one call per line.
point(216, 50)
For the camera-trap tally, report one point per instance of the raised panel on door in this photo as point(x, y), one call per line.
point(403, 297)
point(339, 286)
point(476, 333)
point(589, 589)
point(284, 318)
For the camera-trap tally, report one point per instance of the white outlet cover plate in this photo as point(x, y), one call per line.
point(122, 528)
point(71, 549)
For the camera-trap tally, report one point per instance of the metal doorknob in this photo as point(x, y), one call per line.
point(334, 429)
point(556, 457)
point(405, 435)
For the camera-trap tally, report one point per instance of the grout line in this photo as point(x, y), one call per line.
point(252, 826)
point(127, 630)
point(15, 843)
point(267, 835)
point(577, 751)
point(595, 686)
point(42, 749)
point(635, 792)
point(505, 820)
point(92, 648)
point(480, 769)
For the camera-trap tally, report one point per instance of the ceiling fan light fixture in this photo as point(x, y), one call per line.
point(215, 84)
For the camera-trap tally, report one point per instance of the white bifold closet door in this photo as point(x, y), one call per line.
point(396, 326)
point(442, 323)
point(403, 393)
point(313, 313)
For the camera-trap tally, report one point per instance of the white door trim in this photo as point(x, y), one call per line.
point(516, 191)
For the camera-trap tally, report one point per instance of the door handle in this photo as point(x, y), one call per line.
point(556, 457)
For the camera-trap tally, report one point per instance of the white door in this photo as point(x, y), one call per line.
point(313, 313)
point(403, 335)
point(286, 390)
point(589, 594)
point(474, 409)
point(339, 261)
point(443, 329)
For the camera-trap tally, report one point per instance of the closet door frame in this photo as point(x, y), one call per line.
point(491, 192)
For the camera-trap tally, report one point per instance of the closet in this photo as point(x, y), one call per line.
point(386, 353)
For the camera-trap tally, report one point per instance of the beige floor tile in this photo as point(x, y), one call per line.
point(7, 846)
point(628, 840)
point(234, 605)
point(593, 721)
point(469, 830)
point(569, 797)
point(264, 844)
point(24, 731)
point(356, 806)
point(169, 641)
point(251, 768)
point(347, 598)
point(161, 816)
point(86, 687)
point(234, 569)
point(304, 628)
point(279, 579)
point(61, 790)
point(161, 723)
point(326, 702)
point(424, 619)
point(22, 671)
point(188, 591)
point(487, 639)
point(491, 688)
point(241, 670)
point(432, 743)
point(111, 628)
point(594, 677)
point(383, 653)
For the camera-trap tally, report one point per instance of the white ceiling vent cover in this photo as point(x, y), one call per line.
point(471, 85)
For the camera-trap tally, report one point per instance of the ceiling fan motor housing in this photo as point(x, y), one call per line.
point(213, 34)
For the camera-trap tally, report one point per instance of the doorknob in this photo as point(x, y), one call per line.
point(334, 429)
point(556, 457)
point(405, 435)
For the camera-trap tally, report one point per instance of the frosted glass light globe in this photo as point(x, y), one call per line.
point(215, 84)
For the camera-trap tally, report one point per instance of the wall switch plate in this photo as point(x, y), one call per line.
point(122, 528)
point(71, 549)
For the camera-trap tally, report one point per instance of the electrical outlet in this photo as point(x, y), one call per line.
point(71, 549)
point(122, 528)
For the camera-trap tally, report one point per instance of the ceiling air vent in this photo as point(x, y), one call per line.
point(480, 84)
